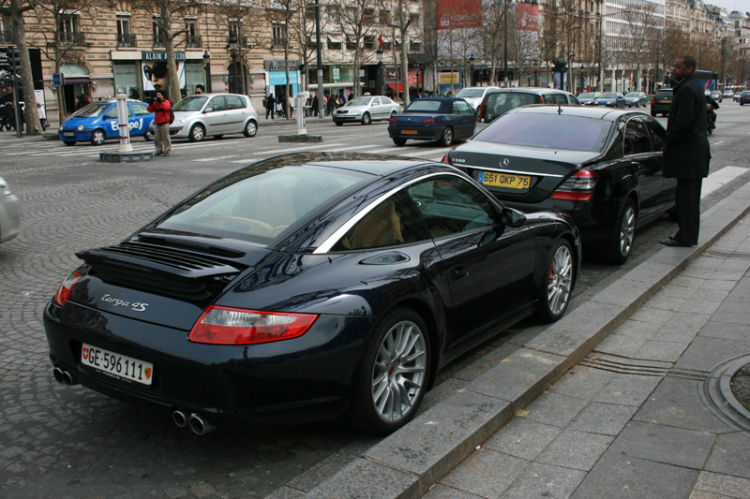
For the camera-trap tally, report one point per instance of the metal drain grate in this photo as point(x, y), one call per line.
point(639, 367)
point(723, 254)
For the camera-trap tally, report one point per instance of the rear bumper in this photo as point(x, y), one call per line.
point(422, 133)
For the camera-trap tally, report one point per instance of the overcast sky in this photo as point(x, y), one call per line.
point(730, 5)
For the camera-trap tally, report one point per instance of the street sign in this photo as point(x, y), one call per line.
point(5, 60)
point(58, 79)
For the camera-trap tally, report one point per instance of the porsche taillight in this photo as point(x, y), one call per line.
point(234, 326)
point(578, 187)
point(61, 297)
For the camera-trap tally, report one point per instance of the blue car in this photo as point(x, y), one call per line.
point(445, 119)
point(611, 99)
point(97, 122)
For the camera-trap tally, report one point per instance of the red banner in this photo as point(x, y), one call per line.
point(459, 14)
point(528, 16)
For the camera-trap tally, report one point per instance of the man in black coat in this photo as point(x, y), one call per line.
point(686, 151)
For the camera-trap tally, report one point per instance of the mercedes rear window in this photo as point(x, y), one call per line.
point(549, 131)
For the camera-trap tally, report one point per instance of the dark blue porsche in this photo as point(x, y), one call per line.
point(307, 287)
point(445, 119)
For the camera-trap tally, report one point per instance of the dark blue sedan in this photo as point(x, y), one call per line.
point(445, 119)
point(610, 99)
point(304, 288)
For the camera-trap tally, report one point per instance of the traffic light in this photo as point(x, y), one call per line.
point(15, 59)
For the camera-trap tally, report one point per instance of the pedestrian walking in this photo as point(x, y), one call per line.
point(686, 151)
point(270, 105)
point(6, 116)
point(315, 103)
point(160, 106)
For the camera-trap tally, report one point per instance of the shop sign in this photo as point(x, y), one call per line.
point(161, 55)
point(336, 74)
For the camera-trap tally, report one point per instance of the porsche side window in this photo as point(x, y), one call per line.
point(393, 222)
point(451, 205)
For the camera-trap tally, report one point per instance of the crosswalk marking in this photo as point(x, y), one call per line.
point(289, 150)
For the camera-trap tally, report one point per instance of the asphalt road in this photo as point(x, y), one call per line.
point(58, 441)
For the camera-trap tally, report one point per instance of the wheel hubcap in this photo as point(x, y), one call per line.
point(399, 372)
point(560, 277)
point(627, 230)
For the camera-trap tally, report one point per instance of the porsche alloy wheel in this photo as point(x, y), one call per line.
point(557, 283)
point(394, 373)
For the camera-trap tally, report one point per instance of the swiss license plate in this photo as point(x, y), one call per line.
point(409, 132)
point(70, 134)
point(115, 364)
point(505, 180)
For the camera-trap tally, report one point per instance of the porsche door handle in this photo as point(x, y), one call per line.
point(459, 271)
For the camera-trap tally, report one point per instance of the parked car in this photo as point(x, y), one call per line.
point(661, 102)
point(610, 99)
point(635, 99)
point(306, 287)
point(601, 166)
point(745, 98)
point(10, 213)
point(728, 94)
point(366, 110)
point(498, 102)
point(587, 98)
point(737, 96)
point(202, 115)
point(716, 95)
point(446, 119)
point(474, 95)
point(98, 122)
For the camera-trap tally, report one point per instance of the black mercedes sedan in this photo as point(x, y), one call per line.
point(600, 165)
point(445, 119)
point(307, 287)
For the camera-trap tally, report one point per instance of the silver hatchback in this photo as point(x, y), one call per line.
point(10, 213)
point(366, 110)
point(198, 116)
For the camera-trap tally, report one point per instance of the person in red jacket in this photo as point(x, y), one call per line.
point(160, 107)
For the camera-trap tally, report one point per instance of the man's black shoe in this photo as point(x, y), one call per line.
point(158, 153)
point(166, 154)
point(674, 242)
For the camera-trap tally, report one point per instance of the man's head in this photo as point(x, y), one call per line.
point(683, 67)
point(199, 89)
point(161, 95)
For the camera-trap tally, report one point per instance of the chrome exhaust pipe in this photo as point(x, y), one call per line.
point(68, 379)
point(199, 425)
point(179, 418)
point(58, 374)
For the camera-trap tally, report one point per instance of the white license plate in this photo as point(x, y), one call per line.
point(70, 134)
point(120, 366)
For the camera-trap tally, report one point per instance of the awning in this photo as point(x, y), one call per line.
point(393, 87)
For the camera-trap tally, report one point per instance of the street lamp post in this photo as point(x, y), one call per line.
point(505, 44)
point(583, 67)
point(207, 68)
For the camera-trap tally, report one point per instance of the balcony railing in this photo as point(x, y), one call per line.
point(71, 38)
point(278, 43)
point(126, 40)
point(6, 37)
point(193, 41)
point(158, 41)
point(243, 41)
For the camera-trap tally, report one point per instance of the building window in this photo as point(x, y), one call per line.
point(191, 37)
point(370, 16)
point(125, 37)
point(370, 42)
point(385, 17)
point(414, 18)
point(6, 32)
point(158, 35)
point(310, 11)
point(234, 29)
point(334, 44)
point(69, 29)
point(334, 13)
point(278, 36)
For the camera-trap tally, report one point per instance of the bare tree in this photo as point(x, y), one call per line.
point(283, 13)
point(493, 34)
point(15, 9)
point(235, 15)
point(357, 24)
point(402, 24)
point(303, 32)
point(165, 14)
point(637, 37)
point(461, 35)
point(523, 39)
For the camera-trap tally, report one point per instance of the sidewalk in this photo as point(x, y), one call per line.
point(625, 396)
point(643, 415)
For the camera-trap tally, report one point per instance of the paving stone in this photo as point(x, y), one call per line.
point(658, 443)
point(485, 473)
point(733, 310)
point(638, 329)
point(554, 409)
point(665, 351)
point(542, 480)
point(677, 403)
point(523, 438)
point(726, 485)
point(725, 331)
point(363, 479)
point(442, 492)
point(575, 450)
point(617, 476)
point(731, 456)
point(653, 315)
point(705, 352)
point(605, 419)
point(582, 382)
point(621, 345)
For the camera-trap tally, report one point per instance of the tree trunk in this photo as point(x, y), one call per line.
point(27, 82)
point(175, 95)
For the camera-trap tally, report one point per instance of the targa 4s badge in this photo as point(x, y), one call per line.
point(134, 306)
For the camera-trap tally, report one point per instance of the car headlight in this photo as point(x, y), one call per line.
point(5, 188)
point(80, 128)
point(178, 122)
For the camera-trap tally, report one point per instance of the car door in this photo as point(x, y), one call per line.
point(236, 113)
point(376, 109)
point(112, 123)
point(647, 163)
point(140, 120)
point(658, 139)
point(488, 265)
point(465, 118)
point(215, 115)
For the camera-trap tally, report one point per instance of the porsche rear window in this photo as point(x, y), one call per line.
point(547, 131)
point(260, 206)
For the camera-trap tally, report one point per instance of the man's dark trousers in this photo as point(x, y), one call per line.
point(688, 201)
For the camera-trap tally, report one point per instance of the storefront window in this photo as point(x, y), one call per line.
point(126, 80)
point(195, 75)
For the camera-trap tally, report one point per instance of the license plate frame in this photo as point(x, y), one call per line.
point(409, 132)
point(505, 180)
point(117, 365)
point(69, 134)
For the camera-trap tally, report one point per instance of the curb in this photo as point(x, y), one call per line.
point(408, 462)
